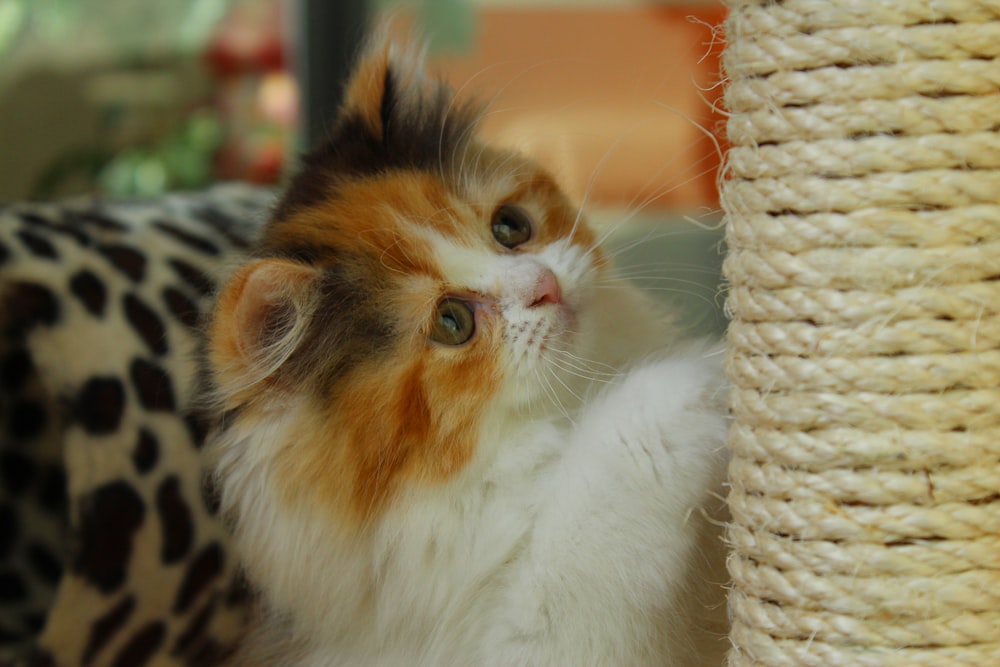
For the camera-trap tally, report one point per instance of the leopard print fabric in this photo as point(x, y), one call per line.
point(110, 551)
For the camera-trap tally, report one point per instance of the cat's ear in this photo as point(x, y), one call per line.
point(259, 321)
point(394, 115)
point(389, 82)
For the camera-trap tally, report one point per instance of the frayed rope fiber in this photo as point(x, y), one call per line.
point(862, 195)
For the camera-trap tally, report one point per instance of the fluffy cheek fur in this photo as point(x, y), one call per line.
point(408, 416)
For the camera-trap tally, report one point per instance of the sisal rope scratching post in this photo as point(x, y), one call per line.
point(863, 219)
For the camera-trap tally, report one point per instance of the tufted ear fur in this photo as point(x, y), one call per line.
point(394, 116)
point(260, 318)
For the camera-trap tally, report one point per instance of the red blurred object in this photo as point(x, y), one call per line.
point(256, 98)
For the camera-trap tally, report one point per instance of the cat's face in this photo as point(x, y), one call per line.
point(414, 289)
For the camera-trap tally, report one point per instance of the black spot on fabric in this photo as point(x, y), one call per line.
point(100, 405)
point(146, 452)
point(26, 305)
point(52, 490)
point(209, 653)
point(192, 241)
point(8, 530)
point(39, 246)
point(38, 657)
point(72, 231)
point(34, 622)
point(181, 306)
point(35, 219)
point(17, 471)
point(128, 260)
point(4, 253)
point(221, 223)
point(90, 291)
point(96, 219)
point(195, 628)
point(175, 520)
point(192, 276)
point(12, 588)
point(106, 627)
point(146, 323)
point(46, 565)
point(142, 646)
point(15, 369)
point(109, 519)
point(152, 384)
point(27, 420)
point(210, 495)
point(197, 425)
point(202, 571)
point(240, 592)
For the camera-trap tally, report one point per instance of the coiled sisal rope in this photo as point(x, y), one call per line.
point(863, 221)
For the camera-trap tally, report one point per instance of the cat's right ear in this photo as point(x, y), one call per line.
point(259, 321)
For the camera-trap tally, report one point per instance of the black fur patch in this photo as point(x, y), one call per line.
point(90, 290)
point(192, 241)
point(181, 306)
point(27, 420)
point(15, 369)
point(38, 245)
point(146, 452)
point(142, 646)
point(52, 494)
point(17, 471)
point(9, 529)
point(27, 305)
point(350, 326)
point(100, 405)
point(96, 219)
point(146, 324)
point(197, 425)
point(195, 629)
point(193, 277)
point(69, 230)
point(12, 588)
point(109, 518)
point(128, 260)
point(222, 224)
point(422, 130)
point(175, 520)
point(152, 384)
point(106, 627)
point(45, 563)
point(202, 571)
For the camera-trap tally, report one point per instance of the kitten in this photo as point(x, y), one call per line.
point(445, 441)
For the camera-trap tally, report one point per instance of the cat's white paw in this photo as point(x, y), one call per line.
point(668, 414)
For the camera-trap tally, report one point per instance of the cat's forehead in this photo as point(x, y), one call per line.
point(398, 215)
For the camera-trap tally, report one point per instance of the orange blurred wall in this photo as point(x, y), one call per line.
point(611, 99)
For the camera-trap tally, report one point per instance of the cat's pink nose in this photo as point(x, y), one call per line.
point(546, 289)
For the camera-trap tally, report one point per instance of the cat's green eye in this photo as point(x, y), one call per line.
point(511, 225)
point(454, 322)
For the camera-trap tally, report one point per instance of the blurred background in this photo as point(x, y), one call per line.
point(124, 98)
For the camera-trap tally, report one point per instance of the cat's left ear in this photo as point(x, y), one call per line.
point(259, 320)
point(395, 114)
point(389, 82)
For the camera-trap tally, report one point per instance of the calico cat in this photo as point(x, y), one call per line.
point(445, 441)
